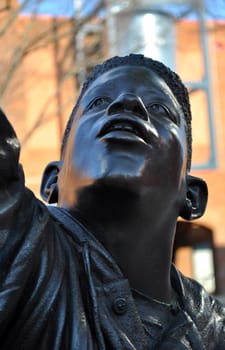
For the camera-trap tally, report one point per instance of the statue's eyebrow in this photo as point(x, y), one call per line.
point(97, 91)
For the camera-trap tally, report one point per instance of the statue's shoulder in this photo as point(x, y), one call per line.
point(203, 308)
point(71, 224)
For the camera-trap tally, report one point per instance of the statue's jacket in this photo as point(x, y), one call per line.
point(61, 289)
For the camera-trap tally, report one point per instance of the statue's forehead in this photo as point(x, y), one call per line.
point(138, 75)
point(143, 77)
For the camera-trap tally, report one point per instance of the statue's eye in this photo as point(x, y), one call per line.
point(161, 111)
point(98, 102)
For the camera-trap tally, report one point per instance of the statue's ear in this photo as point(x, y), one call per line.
point(49, 186)
point(196, 199)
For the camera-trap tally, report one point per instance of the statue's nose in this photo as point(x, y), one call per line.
point(128, 102)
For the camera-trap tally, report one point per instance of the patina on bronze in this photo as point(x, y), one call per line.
point(95, 272)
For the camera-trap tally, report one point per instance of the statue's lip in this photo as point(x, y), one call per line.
point(126, 124)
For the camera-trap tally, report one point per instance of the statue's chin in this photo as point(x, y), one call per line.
point(120, 183)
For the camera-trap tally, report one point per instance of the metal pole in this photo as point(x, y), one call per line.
point(207, 83)
point(77, 4)
point(140, 27)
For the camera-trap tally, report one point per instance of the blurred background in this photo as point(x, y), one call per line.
point(48, 47)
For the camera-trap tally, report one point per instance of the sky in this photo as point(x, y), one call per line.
point(56, 7)
point(214, 8)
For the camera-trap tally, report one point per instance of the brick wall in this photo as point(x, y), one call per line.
point(190, 67)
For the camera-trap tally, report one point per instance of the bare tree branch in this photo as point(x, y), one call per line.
point(32, 38)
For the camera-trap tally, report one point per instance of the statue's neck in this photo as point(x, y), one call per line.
point(136, 234)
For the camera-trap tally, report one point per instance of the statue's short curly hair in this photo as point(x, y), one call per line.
point(171, 78)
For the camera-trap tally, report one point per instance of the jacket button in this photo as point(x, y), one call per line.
point(119, 306)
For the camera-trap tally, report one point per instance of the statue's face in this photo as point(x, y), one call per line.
point(129, 127)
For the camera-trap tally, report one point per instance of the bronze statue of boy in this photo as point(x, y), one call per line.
point(95, 271)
